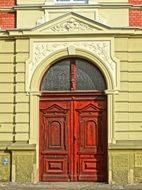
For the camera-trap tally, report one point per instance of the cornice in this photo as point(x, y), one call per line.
point(16, 146)
point(110, 33)
point(7, 9)
point(99, 5)
point(58, 7)
point(126, 145)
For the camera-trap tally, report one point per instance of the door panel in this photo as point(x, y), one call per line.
point(90, 154)
point(73, 140)
point(54, 140)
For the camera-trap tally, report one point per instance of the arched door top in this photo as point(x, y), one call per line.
point(73, 74)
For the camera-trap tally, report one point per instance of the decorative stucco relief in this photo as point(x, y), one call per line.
point(71, 25)
point(42, 20)
point(41, 50)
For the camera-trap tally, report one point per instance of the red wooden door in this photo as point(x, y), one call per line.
point(90, 152)
point(54, 140)
point(73, 139)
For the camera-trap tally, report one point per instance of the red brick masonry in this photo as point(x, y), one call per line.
point(7, 19)
point(7, 2)
point(135, 15)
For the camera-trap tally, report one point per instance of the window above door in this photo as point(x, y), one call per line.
point(73, 75)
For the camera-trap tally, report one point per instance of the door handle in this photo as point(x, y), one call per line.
point(74, 139)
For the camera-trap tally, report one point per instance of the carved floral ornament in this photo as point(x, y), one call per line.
point(71, 25)
point(41, 50)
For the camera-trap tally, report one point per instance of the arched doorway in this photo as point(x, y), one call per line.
point(73, 126)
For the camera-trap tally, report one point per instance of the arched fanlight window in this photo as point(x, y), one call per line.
point(73, 75)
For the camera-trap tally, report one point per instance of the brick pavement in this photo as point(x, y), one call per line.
point(67, 186)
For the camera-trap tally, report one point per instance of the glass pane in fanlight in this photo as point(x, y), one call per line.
point(57, 77)
point(89, 76)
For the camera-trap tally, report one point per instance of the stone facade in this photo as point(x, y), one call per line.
point(25, 55)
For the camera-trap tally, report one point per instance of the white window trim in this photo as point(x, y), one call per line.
point(71, 1)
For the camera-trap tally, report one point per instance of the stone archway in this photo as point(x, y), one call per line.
point(35, 94)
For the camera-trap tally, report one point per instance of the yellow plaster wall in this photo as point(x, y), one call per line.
point(14, 103)
point(28, 18)
point(91, 14)
point(20, 2)
point(6, 89)
point(128, 103)
point(112, 18)
point(21, 98)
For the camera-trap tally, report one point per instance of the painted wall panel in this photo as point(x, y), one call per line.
point(22, 107)
point(6, 97)
point(20, 87)
point(6, 58)
point(135, 56)
point(6, 87)
point(6, 128)
point(22, 97)
point(6, 68)
point(6, 77)
point(22, 127)
point(20, 67)
point(22, 136)
point(123, 66)
point(6, 108)
point(6, 118)
point(22, 45)
point(20, 77)
point(135, 97)
point(135, 44)
point(6, 46)
point(20, 57)
point(135, 66)
point(24, 15)
point(111, 17)
point(22, 117)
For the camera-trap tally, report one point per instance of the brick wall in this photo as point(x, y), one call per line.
point(135, 18)
point(7, 2)
point(7, 18)
point(135, 15)
point(135, 2)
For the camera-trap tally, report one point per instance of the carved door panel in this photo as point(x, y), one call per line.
point(54, 140)
point(90, 154)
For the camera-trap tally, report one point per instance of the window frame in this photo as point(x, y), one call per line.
point(71, 1)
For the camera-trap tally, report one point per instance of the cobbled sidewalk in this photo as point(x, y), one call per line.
point(67, 186)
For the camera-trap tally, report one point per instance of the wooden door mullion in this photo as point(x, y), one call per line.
point(75, 144)
point(73, 74)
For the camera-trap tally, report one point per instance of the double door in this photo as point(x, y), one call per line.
point(73, 138)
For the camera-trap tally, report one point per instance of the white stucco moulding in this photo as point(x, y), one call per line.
point(101, 48)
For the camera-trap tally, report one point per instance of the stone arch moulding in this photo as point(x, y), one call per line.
point(99, 51)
